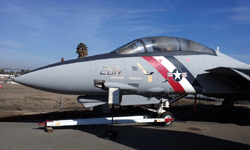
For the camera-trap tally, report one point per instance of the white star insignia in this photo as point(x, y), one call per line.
point(177, 75)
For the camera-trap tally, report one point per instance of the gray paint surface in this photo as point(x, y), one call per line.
point(159, 57)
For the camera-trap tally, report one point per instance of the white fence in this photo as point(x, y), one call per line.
point(8, 82)
point(2, 76)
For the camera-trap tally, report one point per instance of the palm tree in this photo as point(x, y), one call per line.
point(82, 50)
point(2, 71)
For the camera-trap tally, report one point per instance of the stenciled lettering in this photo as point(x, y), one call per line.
point(107, 70)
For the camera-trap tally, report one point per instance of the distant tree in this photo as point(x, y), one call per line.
point(22, 71)
point(17, 74)
point(2, 71)
point(82, 50)
point(11, 72)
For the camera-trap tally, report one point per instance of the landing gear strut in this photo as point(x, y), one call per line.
point(163, 113)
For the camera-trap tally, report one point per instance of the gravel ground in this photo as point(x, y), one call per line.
point(16, 100)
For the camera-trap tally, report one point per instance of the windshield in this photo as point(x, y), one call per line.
point(159, 44)
point(131, 48)
point(163, 44)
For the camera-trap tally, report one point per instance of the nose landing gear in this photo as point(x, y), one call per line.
point(168, 116)
point(162, 113)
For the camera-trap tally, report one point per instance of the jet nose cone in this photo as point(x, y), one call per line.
point(38, 79)
point(34, 79)
point(66, 79)
point(23, 79)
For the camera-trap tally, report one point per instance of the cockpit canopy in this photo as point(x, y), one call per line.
point(162, 44)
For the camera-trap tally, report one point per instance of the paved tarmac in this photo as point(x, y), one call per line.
point(194, 133)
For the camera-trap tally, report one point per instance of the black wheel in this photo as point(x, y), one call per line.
point(110, 134)
point(167, 115)
point(48, 129)
point(227, 103)
point(231, 103)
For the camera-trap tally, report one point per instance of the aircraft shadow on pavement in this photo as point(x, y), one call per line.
point(209, 113)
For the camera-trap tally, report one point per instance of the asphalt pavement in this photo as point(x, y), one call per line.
point(186, 133)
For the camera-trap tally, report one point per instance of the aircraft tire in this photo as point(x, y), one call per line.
point(166, 114)
point(110, 134)
point(231, 103)
point(227, 103)
point(48, 129)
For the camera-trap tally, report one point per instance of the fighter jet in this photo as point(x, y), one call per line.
point(146, 71)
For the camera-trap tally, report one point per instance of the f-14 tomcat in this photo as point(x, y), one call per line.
point(146, 71)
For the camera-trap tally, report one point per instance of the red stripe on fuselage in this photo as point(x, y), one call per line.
point(164, 72)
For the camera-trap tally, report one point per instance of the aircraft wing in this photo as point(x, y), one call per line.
point(241, 71)
point(237, 77)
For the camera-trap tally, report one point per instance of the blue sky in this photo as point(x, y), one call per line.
point(38, 33)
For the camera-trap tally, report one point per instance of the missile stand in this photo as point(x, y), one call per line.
point(164, 118)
